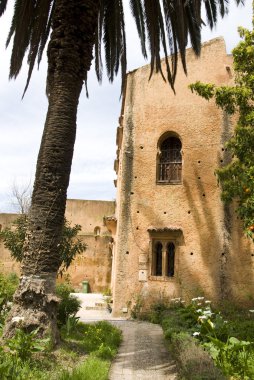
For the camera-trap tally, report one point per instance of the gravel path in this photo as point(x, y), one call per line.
point(142, 354)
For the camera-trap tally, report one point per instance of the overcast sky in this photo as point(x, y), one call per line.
point(21, 121)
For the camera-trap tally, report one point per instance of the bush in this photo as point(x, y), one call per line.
point(8, 286)
point(68, 305)
point(193, 362)
point(99, 335)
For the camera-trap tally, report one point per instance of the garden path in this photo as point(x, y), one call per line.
point(142, 354)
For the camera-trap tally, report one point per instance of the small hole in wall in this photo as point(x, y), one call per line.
point(223, 254)
point(137, 212)
point(135, 177)
point(204, 195)
point(199, 162)
point(222, 149)
point(165, 212)
point(137, 228)
point(199, 177)
point(191, 253)
point(132, 193)
point(221, 161)
point(141, 147)
point(127, 252)
point(189, 212)
point(252, 254)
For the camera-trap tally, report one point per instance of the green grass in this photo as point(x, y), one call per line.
point(84, 353)
point(92, 369)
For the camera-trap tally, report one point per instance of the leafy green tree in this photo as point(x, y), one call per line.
point(77, 30)
point(70, 245)
point(237, 178)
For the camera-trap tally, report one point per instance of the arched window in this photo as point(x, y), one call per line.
point(158, 259)
point(170, 161)
point(170, 258)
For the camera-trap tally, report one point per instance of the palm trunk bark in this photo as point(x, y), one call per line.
point(69, 59)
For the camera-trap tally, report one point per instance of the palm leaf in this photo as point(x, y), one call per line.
point(112, 22)
point(3, 4)
point(165, 24)
point(138, 14)
point(39, 32)
point(20, 30)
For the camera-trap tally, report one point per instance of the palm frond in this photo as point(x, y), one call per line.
point(3, 5)
point(165, 24)
point(194, 27)
point(20, 30)
point(98, 39)
point(211, 12)
point(39, 32)
point(45, 34)
point(138, 14)
point(152, 12)
point(111, 22)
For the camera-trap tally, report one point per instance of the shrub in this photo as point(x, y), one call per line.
point(68, 305)
point(193, 362)
point(24, 344)
point(8, 286)
point(101, 333)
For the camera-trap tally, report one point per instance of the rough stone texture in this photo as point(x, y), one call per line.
point(93, 265)
point(212, 256)
point(142, 354)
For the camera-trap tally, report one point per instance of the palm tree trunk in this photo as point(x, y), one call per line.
point(72, 39)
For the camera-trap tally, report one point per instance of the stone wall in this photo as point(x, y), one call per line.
point(212, 257)
point(93, 265)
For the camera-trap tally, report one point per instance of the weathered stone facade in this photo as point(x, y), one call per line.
point(93, 265)
point(210, 254)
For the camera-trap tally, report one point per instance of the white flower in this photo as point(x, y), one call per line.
point(17, 319)
point(207, 312)
point(194, 299)
point(202, 317)
point(196, 333)
point(199, 311)
point(200, 298)
point(207, 301)
point(8, 304)
point(251, 311)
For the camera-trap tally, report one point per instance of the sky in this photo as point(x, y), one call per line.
point(22, 121)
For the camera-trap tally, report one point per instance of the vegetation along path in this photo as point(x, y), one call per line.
point(142, 354)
